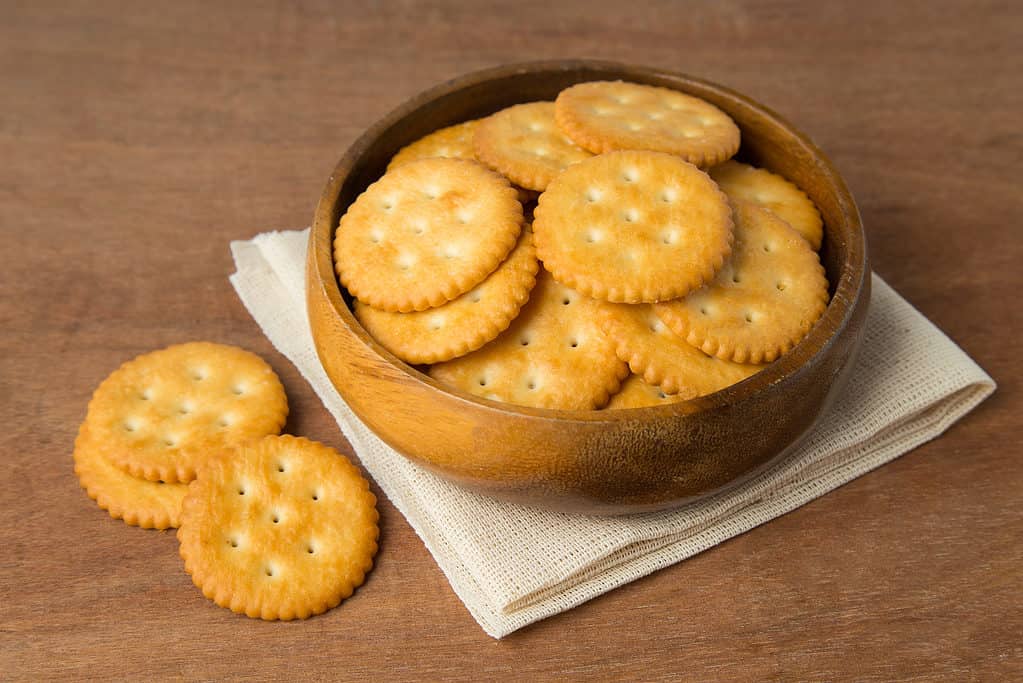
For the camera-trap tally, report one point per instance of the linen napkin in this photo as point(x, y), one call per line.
point(513, 565)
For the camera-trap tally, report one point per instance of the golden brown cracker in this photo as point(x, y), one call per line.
point(662, 358)
point(553, 355)
point(463, 324)
point(765, 299)
point(636, 393)
point(452, 142)
point(425, 233)
point(284, 528)
point(633, 227)
point(603, 116)
point(142, 503)
point(524, 144)
point(161, 415)
point(774, 193)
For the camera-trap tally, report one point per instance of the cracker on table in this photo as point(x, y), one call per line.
point(662, 358)
point(463, 324)
point(284, 528)
point(553, 355)
point(453, 142)
point(425, 233)
point(774, 193)
point(633, 227)
point(765, 299)
point(603, 116)
point(524, 144)
point(636, 393)
point(139, 502)
point(161, 415)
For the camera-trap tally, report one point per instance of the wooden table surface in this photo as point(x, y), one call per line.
point(138, 139)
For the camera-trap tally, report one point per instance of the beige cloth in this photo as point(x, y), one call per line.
point(512, 565)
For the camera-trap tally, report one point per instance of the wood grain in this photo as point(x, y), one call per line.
point(138, 139)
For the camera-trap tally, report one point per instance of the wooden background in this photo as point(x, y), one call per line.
point(138, 139)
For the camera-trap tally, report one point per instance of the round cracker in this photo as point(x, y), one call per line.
point(525, 145)
point(425, 233)
point(284, 528)
point(453, 142)
point(553, 355)
point(662, 358)
point(633, 227)
point(142, 503)
point(636, 393)
point(603, 116)
point(763, 302)
point(161, 415)
point(463, 324)
point(774, 193)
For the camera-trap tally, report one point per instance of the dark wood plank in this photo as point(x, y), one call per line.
point(138, 139)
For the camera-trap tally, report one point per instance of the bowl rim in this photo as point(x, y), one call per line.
point(839, 312)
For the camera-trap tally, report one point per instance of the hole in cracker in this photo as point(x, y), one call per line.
point(669, 237)
point(475, 297)
point(483, 381)
point(703, 311)
point(170, 441)
point(233, 542)
point(631, 215)
point(669, 195)
point(780, 286)
point(573, 343)
point(146, 394)
point(524, 341)
point(269, 571)
point(566, 301)
point(199, 374)
point(592, 236)
point(130, 426)
point(531, 384)
point(661, 394)
point(280, 467)
point(656, 325)
point(224, 421)
point(593, 195)
point(184, 409)
point(768, 247)
point(316, 495)
point(735, 278)
point(276, 519)
point(749, 316)
point(309, 549)
point(630, 175)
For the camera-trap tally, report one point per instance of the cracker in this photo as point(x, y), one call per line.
point(284, 528)
point(633, 227)
point(525, 145)
point(774, 193)
point(463, 324)
point(553, 355)
point(763, 302)
point(425, 233)
point(603, 116)
point(162, 414)
point(662, 358)
point(453, 142)
point(636, 393)
point(147, 504)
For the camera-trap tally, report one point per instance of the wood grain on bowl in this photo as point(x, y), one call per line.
point(591, 461)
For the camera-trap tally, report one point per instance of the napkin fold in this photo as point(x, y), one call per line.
point(513, 565)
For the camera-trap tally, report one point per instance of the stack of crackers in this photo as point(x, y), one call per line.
point(276, 527)
point(544, 254)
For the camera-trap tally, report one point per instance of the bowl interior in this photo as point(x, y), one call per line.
point(768, 141)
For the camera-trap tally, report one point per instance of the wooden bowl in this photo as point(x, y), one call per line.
point(610, 461)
